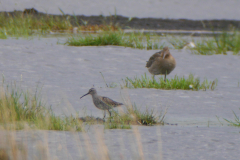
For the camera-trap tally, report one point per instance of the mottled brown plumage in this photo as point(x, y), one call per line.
point(161, 62)
point(103, 103)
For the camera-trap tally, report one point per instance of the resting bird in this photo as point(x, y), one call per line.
point(161, 62)
point(103, 103)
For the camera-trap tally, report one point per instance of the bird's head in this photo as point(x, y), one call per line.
point(165, 52)
point(91, 91)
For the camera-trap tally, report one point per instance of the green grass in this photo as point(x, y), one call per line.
point(178, 43)
point(219, 44)
point(228, 42)
point(134, 116)
point(25, 25)
point(205, 47)
point(19, 25)
point(118, 38)
point(18, 108)
point(236, 121)
point(183, 83)
point(113, 38)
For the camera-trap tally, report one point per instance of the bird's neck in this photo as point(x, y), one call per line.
point(94, 95)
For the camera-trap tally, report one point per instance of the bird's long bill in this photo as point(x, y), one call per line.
point(164, 54)
point(84, 95)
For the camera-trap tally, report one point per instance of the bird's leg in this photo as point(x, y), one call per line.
point(104, 116)
point(153, 77)
point(110, 115)
point(165, 76)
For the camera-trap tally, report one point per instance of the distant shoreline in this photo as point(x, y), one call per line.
point(139, 23)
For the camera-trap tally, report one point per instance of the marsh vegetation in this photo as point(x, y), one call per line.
point(183, 83)
point(25, 25)
point(235, 122)
point(218, 44)
point(119, 38)
point(134, 116)
point(19, 108)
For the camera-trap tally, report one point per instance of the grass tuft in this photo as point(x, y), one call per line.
point(236, 121)
point(183, 83)
point(112, 38)
point(18, 108)
point(134, 116)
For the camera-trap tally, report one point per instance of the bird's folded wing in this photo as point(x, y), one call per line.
point(110, 102)
point(153, 58)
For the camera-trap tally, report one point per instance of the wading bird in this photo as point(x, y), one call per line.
point(103, 103)
point(161, 62)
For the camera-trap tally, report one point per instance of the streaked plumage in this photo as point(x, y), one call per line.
point(103, 103)
point(161, 62)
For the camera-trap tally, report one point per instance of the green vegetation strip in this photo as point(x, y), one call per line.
point(25, 25)
point(18, 108)
point(219, 44)
point(134, 116)
point(115, 38)
point(183, 83)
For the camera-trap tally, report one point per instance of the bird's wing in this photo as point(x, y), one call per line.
point(153, 58)
point(110, 102)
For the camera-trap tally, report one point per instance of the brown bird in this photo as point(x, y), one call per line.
point(161, 62)
point(103, 103)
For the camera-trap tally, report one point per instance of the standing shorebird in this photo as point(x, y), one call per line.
point(161, 62)
point(103, 103)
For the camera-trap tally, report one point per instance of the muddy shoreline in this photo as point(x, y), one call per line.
point(138, 23)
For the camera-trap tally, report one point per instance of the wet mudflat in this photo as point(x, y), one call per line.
point(65, 73)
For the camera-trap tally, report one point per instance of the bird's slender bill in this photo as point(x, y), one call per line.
point(84, 95)
point(164, 54)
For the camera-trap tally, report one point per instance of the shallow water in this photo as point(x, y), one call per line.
point(174, 9)
point(165, 142)
point(65, 73)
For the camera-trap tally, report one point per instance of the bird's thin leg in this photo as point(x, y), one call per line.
point(104, 116)
point(110, 115)
point(153, 77)
point(165, 76)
